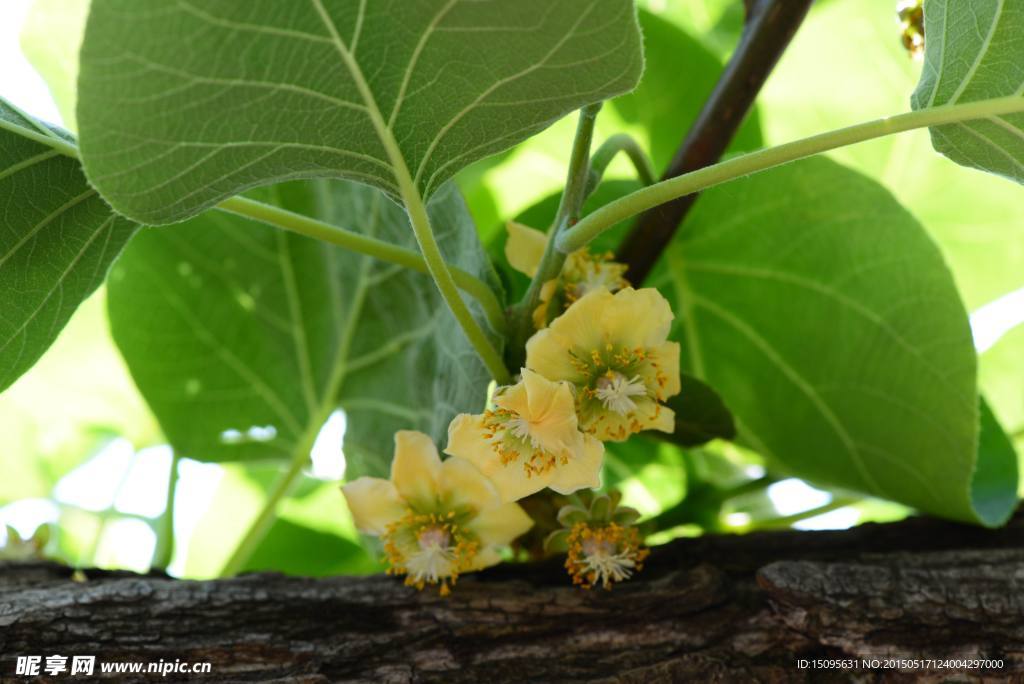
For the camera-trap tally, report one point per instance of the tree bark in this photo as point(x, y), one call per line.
point(716, 608)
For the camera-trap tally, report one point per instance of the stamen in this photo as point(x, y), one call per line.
point(603, 555)
point(615, 392)
point(428, 549)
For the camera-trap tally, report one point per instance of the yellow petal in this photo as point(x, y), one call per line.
point(667, 358)
point(552, 410)
point(463, 486)
point(583, 325)
point(416, 469)
point(514, 483)
point(665, 420)
point(374, 504)
point(548, 407)
point(583, 471)
point(540, 314)
point(466, 440)
point(499, 526)
point(548, 354)
point(638, 318)
point(525, 247)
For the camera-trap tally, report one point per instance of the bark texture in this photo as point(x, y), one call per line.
point(731, 609)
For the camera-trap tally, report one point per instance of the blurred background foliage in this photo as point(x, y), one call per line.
point(83, 455)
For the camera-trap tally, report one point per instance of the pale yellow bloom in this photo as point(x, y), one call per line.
point(436, 519)
point(529, 440)
point(614, 349)
point(581, 274)
point(603, 554)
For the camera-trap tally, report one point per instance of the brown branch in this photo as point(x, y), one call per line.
point(770, 26)
point(732, 608)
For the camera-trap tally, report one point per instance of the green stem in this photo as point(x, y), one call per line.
point(609, 149)
point(379, 249)
point(165, 551)
point(785, 521)
point(408, 188)
point(637, 202)
point(445, 282)
point(261, 525)
point(569, 208)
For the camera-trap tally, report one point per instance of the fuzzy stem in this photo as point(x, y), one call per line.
point(569, 208)
point(607, 216)
point(609, 149)
point(379, 249)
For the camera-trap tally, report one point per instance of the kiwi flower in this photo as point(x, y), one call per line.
point(529, 440)
point(436, 520)
point(602, 545)
point(582, 272)
point(614, 350)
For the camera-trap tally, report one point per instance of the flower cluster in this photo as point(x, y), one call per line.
point(601, 544)
point(599, 368)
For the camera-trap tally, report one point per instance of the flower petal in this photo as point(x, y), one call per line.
point(547, 352)
point(499, 526)
point(525, 247)
point(466, 440)
point(638, 318)
point(374, 504)
point(416, 469)
point(464, 486)
point(583, 471)
point(667, 358)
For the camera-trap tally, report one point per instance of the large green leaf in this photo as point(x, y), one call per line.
point(244, 339)
point(657, 114)
point(974, 51)
point(183, 104)
point(57, 240)
point(830, 324)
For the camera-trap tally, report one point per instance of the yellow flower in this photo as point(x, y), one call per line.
point(437, 520)
point(613, 348)
point(603, 554)
point(529, 440)
point(581, 274)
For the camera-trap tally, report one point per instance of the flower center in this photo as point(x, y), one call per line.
point(512, 437)
point(616, 392)
point(428, 549)
point(523, 430)
point(603, 555)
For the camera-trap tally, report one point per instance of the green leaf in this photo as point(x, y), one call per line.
point(299, 550)
point(244, 338)
point(661, 106)
point(830, 324)
point(657, 114)
point(396, 94)
point(974, 51)
point(701, 416)
point(993, 486)
point(57, 239)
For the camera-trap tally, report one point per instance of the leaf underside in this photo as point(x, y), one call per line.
point(975, 51)
point(244, 338)
point(375, 92)
point(57, 240)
